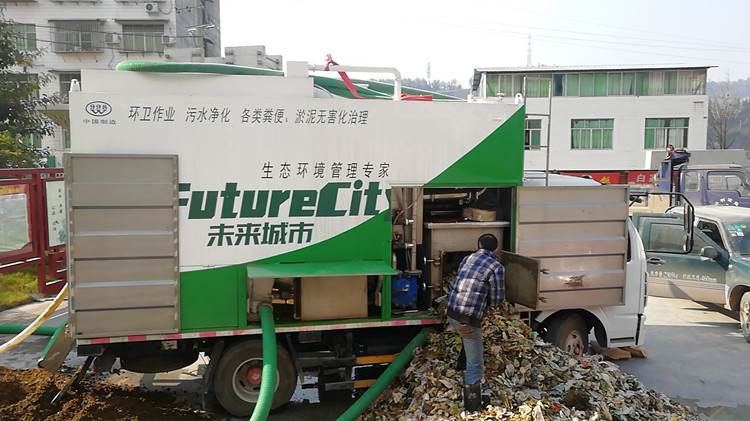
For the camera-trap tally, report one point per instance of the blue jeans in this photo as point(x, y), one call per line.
point(474, 348)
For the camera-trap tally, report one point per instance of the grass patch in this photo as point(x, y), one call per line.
point(16, 288)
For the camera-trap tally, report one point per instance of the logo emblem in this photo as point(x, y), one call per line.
point(98, 108)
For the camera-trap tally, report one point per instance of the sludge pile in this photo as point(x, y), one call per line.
point(530, 380)
point(26, 395)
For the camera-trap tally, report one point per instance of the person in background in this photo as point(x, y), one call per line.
point(479, 283)
point(670, 150)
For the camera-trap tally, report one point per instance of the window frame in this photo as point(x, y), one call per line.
point(662, 131)
point(588, 130)
point(77, 36)
point(64, 92)
point(26, 35)
point(528, 143)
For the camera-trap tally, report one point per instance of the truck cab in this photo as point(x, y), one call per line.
point(704, 184)
point(716, 269)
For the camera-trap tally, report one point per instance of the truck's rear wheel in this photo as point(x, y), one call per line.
point(570, 333)
point(238, 377)
point(745, 315)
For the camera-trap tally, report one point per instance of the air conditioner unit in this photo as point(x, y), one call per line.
point(111, 38)
point(167, 40)
point(151, 7)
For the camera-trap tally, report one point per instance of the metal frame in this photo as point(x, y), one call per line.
point(49, 261)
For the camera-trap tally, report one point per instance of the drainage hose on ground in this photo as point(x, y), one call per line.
point(394, 369)
point(14, 329)
point(268, 375)
point(30, 329)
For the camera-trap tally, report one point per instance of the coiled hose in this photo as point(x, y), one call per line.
point(30, 329)
point(268, 374)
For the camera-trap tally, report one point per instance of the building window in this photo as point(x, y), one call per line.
point(591, 134)
point(661, 132)
point(25, 35)
point(533, 134)
point(65, 79)
point(559, 84)
point(614, 84)
point(77, 36)
point(21, 81)
point(572, 84)
point(143, 38)
point(66, 139)
point(33, 140)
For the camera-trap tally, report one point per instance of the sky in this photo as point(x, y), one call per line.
point(457, 36)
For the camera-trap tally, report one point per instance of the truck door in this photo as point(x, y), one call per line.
point(675, 275)
point(521, 279)
point(579, 236)
point(728, 186)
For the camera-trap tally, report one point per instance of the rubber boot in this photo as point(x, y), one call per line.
point(472, 397)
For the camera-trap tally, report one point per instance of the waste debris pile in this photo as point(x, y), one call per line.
point(530, 380)
point(27, 394)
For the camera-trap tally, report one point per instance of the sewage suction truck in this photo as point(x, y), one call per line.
point(201, 197)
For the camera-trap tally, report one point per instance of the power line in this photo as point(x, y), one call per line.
point(96, 50)
point(553, 38)
point(628, 28)
point(63, 29)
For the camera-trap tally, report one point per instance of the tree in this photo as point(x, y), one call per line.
point(17, 154)
point(723, 107)
point(20, 102)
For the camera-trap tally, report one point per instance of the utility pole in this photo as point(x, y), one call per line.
point(528, 52)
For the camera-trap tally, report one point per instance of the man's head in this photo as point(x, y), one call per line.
point(487, 242)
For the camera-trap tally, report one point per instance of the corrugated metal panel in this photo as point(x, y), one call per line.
point(579, 234)
point(122, 213)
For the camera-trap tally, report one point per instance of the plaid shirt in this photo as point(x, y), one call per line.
point(480, 281)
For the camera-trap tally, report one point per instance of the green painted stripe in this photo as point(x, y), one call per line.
point(495, 162)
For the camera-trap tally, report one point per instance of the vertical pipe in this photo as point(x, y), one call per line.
point(268, 373)
point(549, 124)
point(385, 298)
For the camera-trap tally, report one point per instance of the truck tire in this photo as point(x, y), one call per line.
point(745, 315)
point(238, 375)
point(569, 333)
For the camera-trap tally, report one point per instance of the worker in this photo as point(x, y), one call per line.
point(479, 283)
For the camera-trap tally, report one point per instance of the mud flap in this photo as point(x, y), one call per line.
point(57, 349)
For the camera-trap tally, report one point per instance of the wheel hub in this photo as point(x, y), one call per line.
point(574, 343)
point(253, 375)
point(745, 317)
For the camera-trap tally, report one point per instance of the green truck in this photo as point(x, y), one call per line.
point(716, 270)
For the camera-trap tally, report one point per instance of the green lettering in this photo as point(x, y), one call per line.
point(253, 208)
point(356, 199)
point(199, 210)
point(229, 194)
point(277, 198)
point(372, 193)
point(302, 199)
point(327, 200)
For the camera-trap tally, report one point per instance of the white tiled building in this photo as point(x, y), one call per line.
point(98, 34)
point(603, 117)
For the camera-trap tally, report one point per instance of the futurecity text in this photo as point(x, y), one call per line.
point(245, 208)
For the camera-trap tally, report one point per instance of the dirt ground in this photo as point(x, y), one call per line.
point(26, 395)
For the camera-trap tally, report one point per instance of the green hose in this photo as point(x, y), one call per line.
point(394, 369)
point(224, 69)
point(268, 375)
point(14, 329)
point(58, 331)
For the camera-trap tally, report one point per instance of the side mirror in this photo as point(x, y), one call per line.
point(710, 253)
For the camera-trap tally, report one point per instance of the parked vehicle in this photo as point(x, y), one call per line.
point(716, 270)
point(704, 184)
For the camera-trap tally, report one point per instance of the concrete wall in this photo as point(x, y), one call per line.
point(629, 114)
